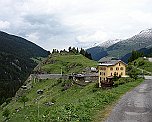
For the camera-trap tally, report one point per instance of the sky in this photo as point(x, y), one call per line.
point(80, 23)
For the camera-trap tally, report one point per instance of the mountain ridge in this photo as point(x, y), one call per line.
point(141, 40)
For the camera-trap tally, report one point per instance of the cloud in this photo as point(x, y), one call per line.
point(62, 23)
point(33, 37)
point(97, 36)
point(4, 25)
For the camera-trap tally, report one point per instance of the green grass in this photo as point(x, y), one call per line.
point(143, 64)
point(68, 63)
point(38, 59)
point(146, 66)
point(77, 104)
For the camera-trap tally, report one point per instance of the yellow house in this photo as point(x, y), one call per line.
point(110, 68)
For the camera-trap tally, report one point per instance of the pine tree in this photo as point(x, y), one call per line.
point(135, 55)
point(77, 51)
point(69, 49)
point(82, 51)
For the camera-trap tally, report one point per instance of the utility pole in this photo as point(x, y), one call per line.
point(61, 70)
point(38, 111)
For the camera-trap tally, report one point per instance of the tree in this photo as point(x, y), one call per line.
point(82, 51)
point(6, 113)
point(24, 99)
point(133, 74)
point(69, 49)
point(135, 55)
point(88, 55)
point(54, 50)
point(77, 51)
point(74, 50)
point(115, 77)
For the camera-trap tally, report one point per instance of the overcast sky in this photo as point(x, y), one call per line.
point(81, 23)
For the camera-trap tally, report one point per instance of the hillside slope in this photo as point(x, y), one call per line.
point(20, 47)
point(97, 52)
point(68, 63)
point(16, 63)
point(77, 104)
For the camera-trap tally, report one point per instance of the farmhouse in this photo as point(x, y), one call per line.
point(109, 69)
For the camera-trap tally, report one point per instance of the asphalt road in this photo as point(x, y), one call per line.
point(134, 106)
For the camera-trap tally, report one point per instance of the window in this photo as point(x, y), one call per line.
point(121, 68)
point(100, 73)
point(117, 73)
point(119, 64)
point(104, 73)
point(100, 78)
point(111, 68)
point(117, 68)
point(121, 73)
point(111, 74)
point(103, 68)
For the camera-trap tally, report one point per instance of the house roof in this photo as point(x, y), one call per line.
point(111, 63)
point(107, 59)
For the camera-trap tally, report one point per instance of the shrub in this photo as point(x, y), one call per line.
point(133, 74)
point(95, 88)
point(53, 100)
point(140, 63)
point(6, 113)
point(123, 81)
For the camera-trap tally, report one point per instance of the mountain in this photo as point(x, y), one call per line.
point(16, 62)
point(123, 47)
point(99, 51)
point(137, 42)
point(108, 43)
point(146, 51)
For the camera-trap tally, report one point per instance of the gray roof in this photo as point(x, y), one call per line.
point(107, 59)
point(110, 63)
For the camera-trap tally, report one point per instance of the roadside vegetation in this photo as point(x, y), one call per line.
point(140, 66)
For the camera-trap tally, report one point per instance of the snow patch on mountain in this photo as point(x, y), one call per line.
point(145, 33)
point(109, 43)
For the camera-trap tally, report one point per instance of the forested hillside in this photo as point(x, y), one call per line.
point(16, 63)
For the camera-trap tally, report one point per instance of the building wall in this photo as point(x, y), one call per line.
point(106, 71)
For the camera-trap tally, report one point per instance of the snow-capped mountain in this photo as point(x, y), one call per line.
point(146, 33)
point(108, 43)
point(122, 47)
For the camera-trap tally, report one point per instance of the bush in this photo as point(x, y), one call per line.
point(95, 88)
point(6, 113)
point(123, 81)
point(133, 74)
point(53, 100)
point(140, 63)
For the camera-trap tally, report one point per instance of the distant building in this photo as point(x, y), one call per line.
point(108, 69)
point(107, 59)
